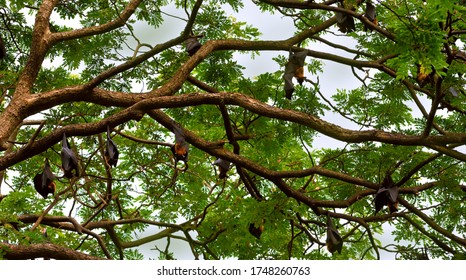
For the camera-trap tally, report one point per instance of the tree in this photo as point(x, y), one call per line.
point(255, 183)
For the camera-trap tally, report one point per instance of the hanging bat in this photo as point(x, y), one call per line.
point(69, 161)
point(223, 167)
point(334, 241)
point(294, 68)
point(2, 49)
point(387, 195)
point(111, 152)
point(43, 182)
point(256, 231)
point(180, 148)
point(192, 45)
point(423, 77)
point(345, 22)
point(370, 14)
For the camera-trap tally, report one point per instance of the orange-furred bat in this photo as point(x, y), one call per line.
point(2, 49)
point(43, 182)
point(334, 241)
point(387, 195)
point(181, 148)
point(69, 161)
point(423, 76)
point(192, 45)
point(223, 167)
point(294, 68)
point(111, 151)
point(256, 231)
point(370, 14)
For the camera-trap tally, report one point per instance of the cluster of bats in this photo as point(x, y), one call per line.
point(44, 181)
point(386, 195)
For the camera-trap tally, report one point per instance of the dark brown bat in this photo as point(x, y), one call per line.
point(223, 167)
point(387, 195)
point(111, 151)
point(2, 49)
point(69, 161)
point(256, 231)
point(345, 22)
point(370, 14)
point(192, 45)
point(294, 68)
point(181, 148)
point(334, 241)
point(43, 182)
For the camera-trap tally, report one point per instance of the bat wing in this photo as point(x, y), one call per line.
point(380, 199)
point(290, 69)
point(111, 152)
point(298, 58)
point(48, 172)
point(38, 185)
point(345, 23)
point(255, 231)
point(68, 158)
point(192, 46)
point(223, 166)
point(393, 194)
point(370, 11)
point(334, 241)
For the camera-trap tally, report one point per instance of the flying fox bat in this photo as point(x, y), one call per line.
point(256, 231)
point(111, 152)
point(345, 22)
point(43, 182)
point(2, 49)
point(387, 195)
point(223, 167)
point(180, 148)
point(69, 161)
point(370, 14)
point(294, 68)
point(334, 241)
point(423, 77)
point(192, 45)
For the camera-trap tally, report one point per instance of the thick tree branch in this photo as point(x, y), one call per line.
point(47, 250)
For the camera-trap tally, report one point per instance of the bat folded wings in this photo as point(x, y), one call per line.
point(294, 68)
point(43, 182)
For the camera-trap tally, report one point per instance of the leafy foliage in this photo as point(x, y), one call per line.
point(78, 67)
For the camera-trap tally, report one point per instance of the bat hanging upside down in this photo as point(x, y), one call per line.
point(43, 182)
point(387, 195)
point(181, 148)
point(334, 241)
point(111, 151)
point(223, 167)
point(69, 160)
point(294, 68)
